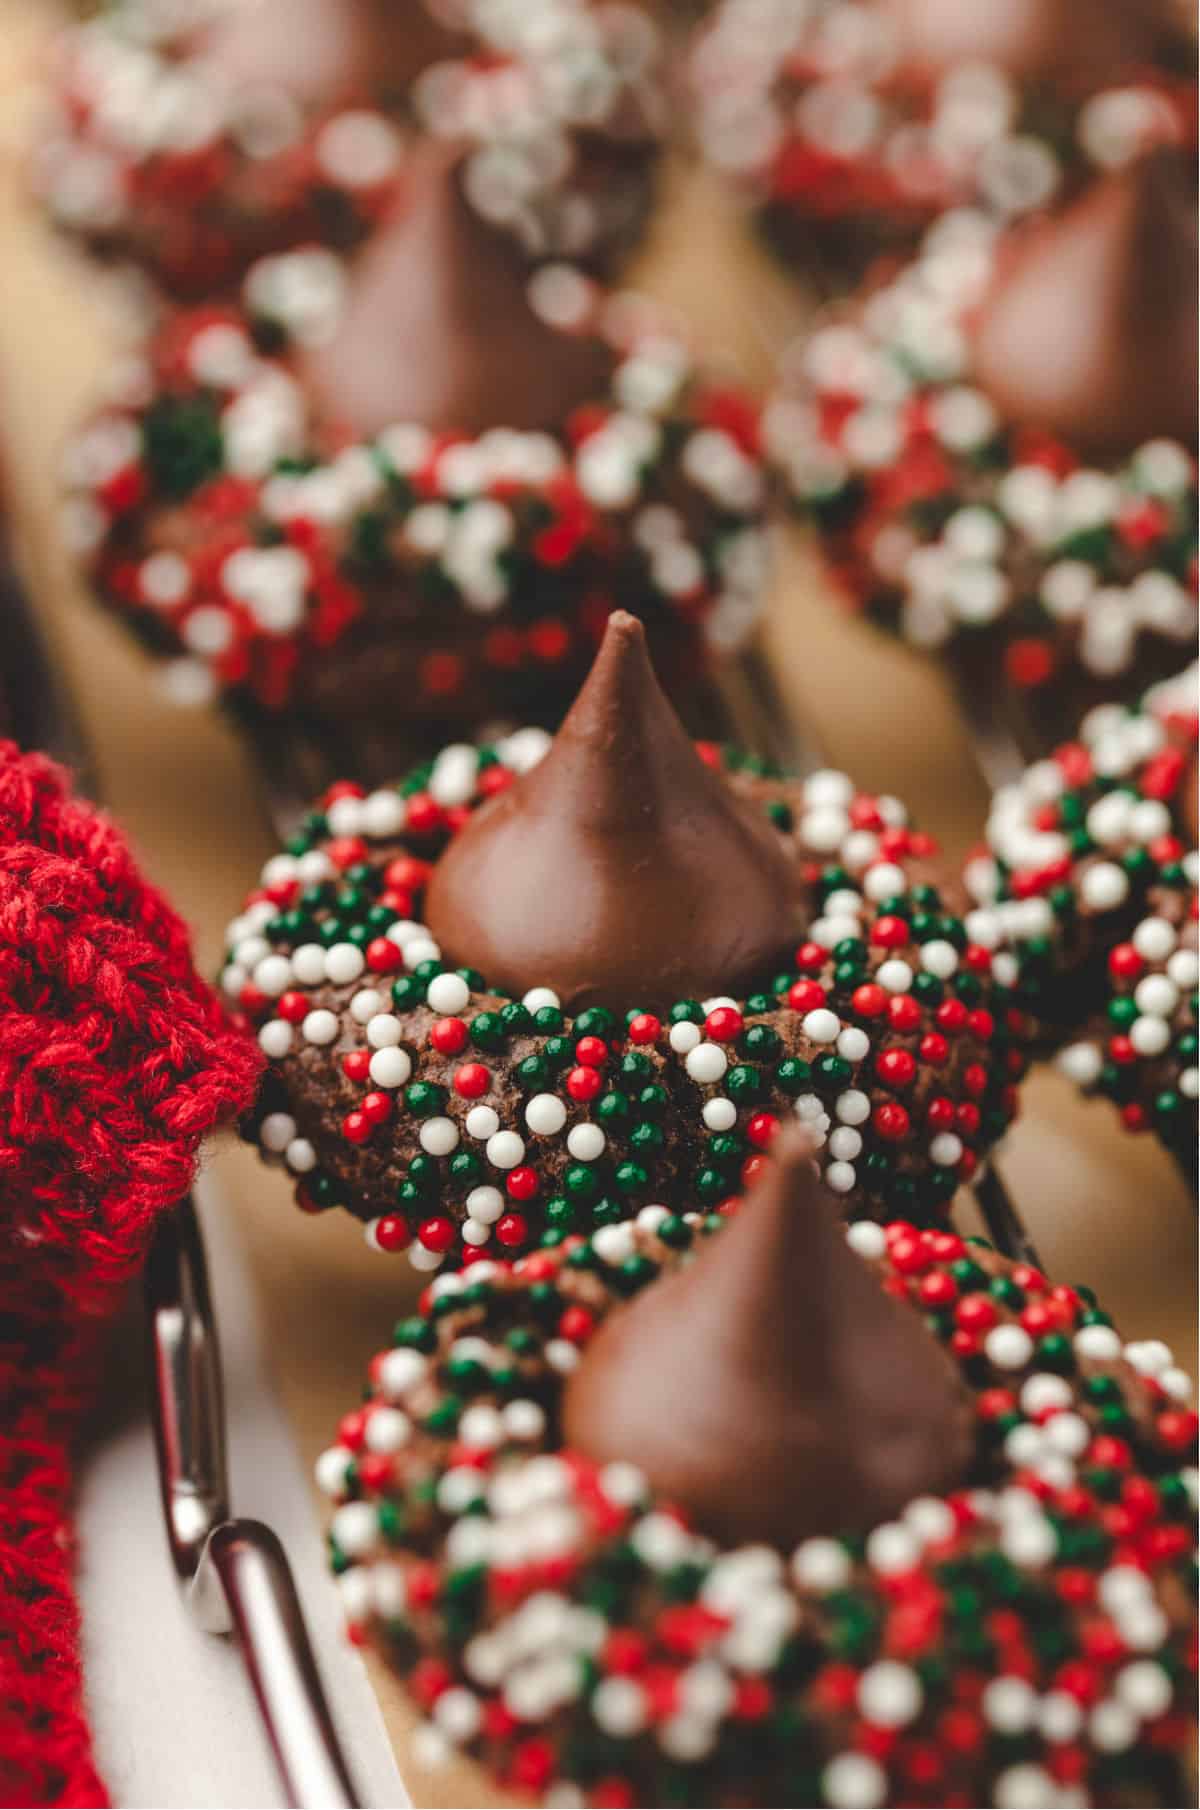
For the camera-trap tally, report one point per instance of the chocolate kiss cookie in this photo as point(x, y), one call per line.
point(1081, 847)
point(851, 128)
point(437, 327)
point(621, 871)
point(456, 1114)
point(1139, 1049)
point(192, 140)
point(770, 1387)
point(1089, 330)
point(360, 600)
point(1018, 1637)
point(932, 448)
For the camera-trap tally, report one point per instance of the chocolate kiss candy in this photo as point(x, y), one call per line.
point(620, 871)
point(437, 327)
point(1089, 330)
point(769, 1386)
point(325, 52)
point(1032, 39)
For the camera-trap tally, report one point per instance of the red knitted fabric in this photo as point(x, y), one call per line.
point(115, 1061)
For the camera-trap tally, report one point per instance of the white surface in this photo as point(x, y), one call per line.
point(174, 1720)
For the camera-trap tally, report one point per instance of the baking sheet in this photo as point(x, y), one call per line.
point(172, 1716)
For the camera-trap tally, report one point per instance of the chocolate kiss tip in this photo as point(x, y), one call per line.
point(1089, 330)
point(438, 329)
point(621, 871)
point(769, 1386)
point(621, 626)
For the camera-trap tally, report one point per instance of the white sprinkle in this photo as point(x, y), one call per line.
point(448, 993)
point(841, 1177)
point(539, 998)
point(399, 1371)
point(387, 1430)
point(889, 1694)
point(420, 949)
point(586, 1142)
point(1150, 1036)
point(1080, 1063)
point(619, 1707)
point(1008, 1347)
point(383, 1030)
point(821, 1026)
point(1045, 1391)
point(1112, 1726)
point(505, 1149)
point(891, 1549)
point(344, 963)
point(1097, 1342)
point(719, 1114)
point(308, 964)
point(867, 1239)
point(1029, 1541)
point(940, 958)
point(355, 1528)
point(1059, 1717)
point(320, 1027)
point(524, 1420)
point(614, 1243)
point(1009, 1704)
point(1103, 887)
point(1154, 939)
point(623, 1483)
point(1184, 969)
point(367, 1004)
point(821, 1565)
point(854, 1781)
point(439, 1136)
point(431, 1749)
point(946, 1149)
point(273, 975)
point(275, 1038)
point(1145, 1689)
point(706, 1062)
point(344, 814)
point(545, 1115)
point(481, 1427)
point(383, 814)
point(277, 1131)
point(1025, 1788)
point(458, 1715)
point(485, 1205)
point(331, 1468)
point(390, 1067)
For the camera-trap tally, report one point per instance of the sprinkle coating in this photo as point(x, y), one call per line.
point(1019, 1641)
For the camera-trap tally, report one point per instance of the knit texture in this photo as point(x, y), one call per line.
point(115, 1061)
